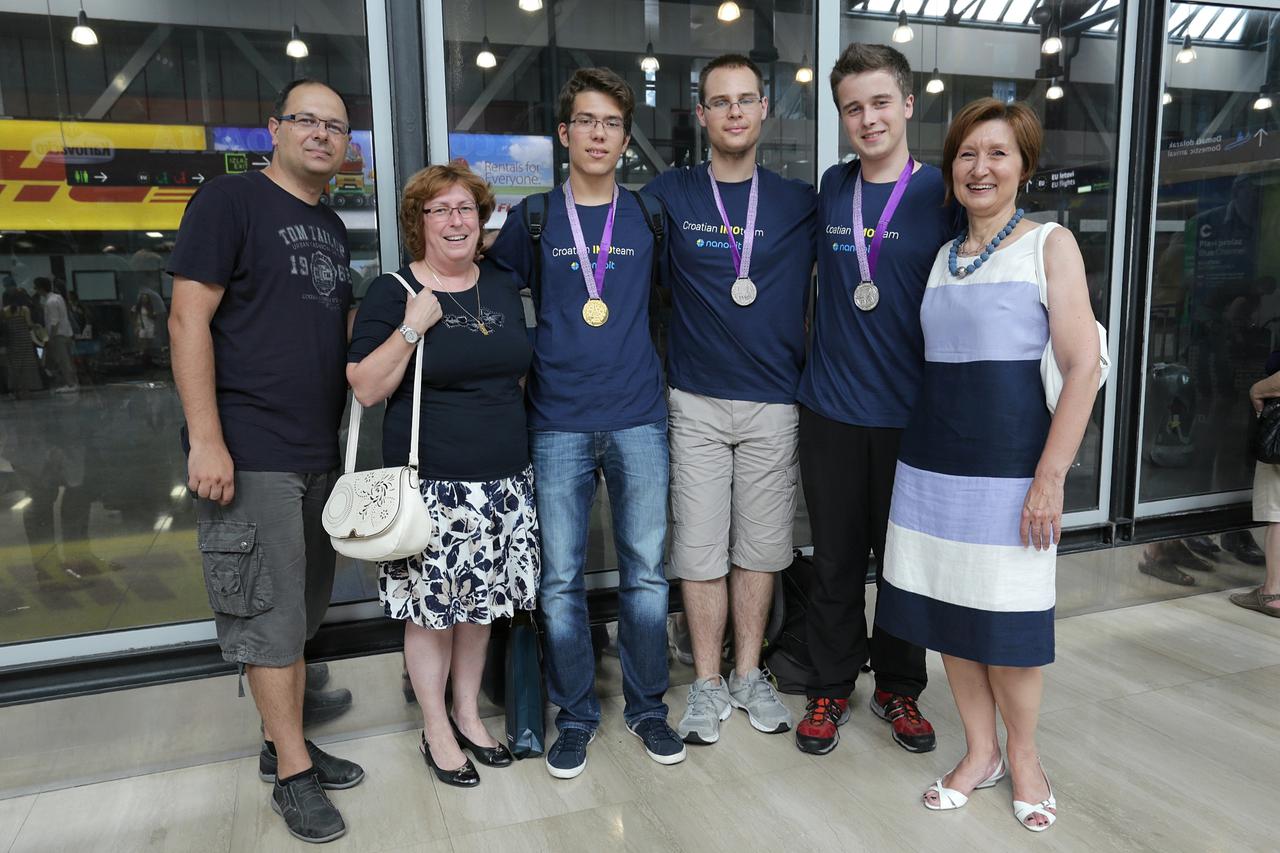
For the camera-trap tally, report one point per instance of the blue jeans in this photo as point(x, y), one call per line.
point(635, 466)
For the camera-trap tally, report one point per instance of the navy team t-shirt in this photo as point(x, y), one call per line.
point(585, 378)
point(864, 367)
point(716, 347)
point(280, 331)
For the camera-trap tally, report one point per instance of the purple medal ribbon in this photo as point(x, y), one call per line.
point(741, 262)
point(867, 261)
point(595, 281)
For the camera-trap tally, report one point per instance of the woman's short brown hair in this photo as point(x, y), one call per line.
point(1021, 119)
point(429, 183)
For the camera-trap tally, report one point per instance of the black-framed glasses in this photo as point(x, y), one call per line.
point(309, 123)
point(444, 213)
point(586, 124)
point(723, 105)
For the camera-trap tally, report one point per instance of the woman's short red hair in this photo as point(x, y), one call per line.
point(1021, 119)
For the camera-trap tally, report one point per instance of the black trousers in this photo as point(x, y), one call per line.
point(847, 473)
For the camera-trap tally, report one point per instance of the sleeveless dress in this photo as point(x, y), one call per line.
point(957, 578)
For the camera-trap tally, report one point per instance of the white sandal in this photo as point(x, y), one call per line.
point(1022, 810)
point(950, 798)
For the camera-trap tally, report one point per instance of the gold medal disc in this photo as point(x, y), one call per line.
point(595, 312)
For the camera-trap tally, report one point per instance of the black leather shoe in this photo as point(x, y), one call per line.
point(307, 811)
point(463, 777)
point(334, 773)
point(497, 756)
point(1165, 570)
point(321, 706)
point(1202, 546)
point(1242, 546)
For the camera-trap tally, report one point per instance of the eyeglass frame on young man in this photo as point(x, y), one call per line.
point(467, 210)
point(724, 105)
point(311, 123)
point(586, 124)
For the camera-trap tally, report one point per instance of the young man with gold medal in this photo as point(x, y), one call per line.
point(596, 405)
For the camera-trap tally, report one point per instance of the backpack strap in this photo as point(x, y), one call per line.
point(655, 217)
point(535, 215)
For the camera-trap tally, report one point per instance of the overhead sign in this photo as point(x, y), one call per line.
point(137, 168)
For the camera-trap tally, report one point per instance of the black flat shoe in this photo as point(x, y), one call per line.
point(497, 756)
point(464, 777)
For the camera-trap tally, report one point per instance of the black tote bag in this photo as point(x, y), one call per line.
point(525, 699)
point(1266, 433)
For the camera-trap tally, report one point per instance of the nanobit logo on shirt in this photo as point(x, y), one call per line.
point(311, 256)
point(717, 235)
point(572, 254)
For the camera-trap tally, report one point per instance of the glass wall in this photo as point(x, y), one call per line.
point(1214, 305)
point(101, 146)
point(963, 51)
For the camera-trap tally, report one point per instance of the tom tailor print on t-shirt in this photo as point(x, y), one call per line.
point(279, 332)
point(864, 367)
point(588, 378)
point(715, 347)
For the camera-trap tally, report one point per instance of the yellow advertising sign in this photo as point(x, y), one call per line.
point(35, 194)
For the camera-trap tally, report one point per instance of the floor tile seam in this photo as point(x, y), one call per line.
point(1107, 702)
point(30, 808)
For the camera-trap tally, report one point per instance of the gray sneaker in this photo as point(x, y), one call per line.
point(708, 706)
point(754, 694)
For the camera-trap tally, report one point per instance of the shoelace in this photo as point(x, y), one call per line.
point(762, 690)
point(903, 706)
point(818, 710)
point(702, 699)
point(574, 739)
point(657, 731)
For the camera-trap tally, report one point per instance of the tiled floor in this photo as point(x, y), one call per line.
point(1160, 732)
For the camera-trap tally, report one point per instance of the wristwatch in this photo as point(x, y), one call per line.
point(411, 335)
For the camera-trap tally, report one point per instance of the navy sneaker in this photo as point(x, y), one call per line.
point(568, 755)
point(660, 740)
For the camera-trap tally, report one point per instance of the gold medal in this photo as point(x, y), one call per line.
point(595, 312)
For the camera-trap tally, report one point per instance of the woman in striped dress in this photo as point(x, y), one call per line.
point(977, 499)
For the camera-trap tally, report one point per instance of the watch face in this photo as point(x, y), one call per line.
point(410, 335)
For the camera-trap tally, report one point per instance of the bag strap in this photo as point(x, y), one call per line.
point(535, 212)
point(1042, 280)
point(353, 424)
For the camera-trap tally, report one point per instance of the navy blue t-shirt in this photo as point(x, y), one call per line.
point(472, 422)
point(864, 367)
point(280, 332)
point(718, 348)
point(585, 378)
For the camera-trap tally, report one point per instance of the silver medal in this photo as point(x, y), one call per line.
point(743, 292)
point(866, 296)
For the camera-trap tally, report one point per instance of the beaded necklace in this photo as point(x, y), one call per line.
point(952, 259)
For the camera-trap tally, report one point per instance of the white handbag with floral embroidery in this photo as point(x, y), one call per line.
point(379, 515)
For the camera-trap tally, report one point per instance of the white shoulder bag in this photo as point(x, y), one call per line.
point(1050, 373)
point(379, 515)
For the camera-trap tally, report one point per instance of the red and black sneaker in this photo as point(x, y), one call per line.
point(818, 733)
point(910, 729)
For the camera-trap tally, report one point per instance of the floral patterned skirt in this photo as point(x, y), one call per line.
point(482, 561)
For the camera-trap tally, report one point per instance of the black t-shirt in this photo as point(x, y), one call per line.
point(280, 332)
point(472, 426)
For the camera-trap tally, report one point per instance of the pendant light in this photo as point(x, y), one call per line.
point(728, 11)
point(804, 72)
point(83, 33)
point(649, 62)
point(1187, 54)
point(296, 48)
point(903, 32)
point(485, 58)
point(1263, 101)
point(1055, 91)
point(935, 86)
point(1166, 99)
point(530, 5)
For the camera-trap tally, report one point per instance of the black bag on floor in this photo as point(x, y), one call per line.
point(525, 699)
point(787, 657)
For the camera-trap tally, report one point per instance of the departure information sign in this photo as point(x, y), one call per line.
point(131, 167)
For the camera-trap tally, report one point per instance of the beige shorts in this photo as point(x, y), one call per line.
point(1266, 492)
point(734, 467)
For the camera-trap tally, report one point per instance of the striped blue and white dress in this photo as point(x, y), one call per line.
point(957, 578)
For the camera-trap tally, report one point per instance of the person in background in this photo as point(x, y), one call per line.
point(1265, 599)
point(59, 358)
point(22, 365)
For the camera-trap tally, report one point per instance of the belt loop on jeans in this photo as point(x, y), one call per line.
point(240, 681)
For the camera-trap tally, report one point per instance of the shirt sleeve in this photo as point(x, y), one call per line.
point(379, 316)
point(209, 238)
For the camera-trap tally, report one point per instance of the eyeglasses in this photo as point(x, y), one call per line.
point(444, 214)
point(309, 123)
point(586, 124)
point(723, 105)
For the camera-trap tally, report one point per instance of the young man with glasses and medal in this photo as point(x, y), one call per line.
point(596, 405)
point(741, 259)
point(881, 220)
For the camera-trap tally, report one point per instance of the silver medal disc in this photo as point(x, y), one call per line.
point(743, 292)
point(866, 296)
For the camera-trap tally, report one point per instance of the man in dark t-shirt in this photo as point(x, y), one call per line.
point(859, 385)
point(261, 297)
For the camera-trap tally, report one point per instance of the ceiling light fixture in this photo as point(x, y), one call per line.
point(903, 32)
point(83, 33)
point(1166, 99)
point(1055, 91)
point(804, 72)
point(728, 11)
point(1186, 54)
point(530, 5)
point(649, 62)
point(1263, 101)
point(485, 58)
point(296, 48)
point(935, 86)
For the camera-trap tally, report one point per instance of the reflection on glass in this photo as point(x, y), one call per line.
point(100, 148)
point(1213, 289)
point(1075, 92)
